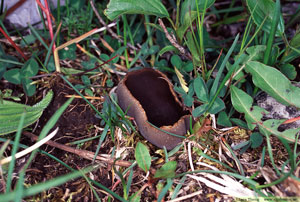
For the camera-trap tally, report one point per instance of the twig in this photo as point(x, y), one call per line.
point(87, 97)
point(114, 35)
point(82, 153)
point(89, 70)
point(173, 40)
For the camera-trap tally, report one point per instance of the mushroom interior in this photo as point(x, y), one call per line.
point(153, 93)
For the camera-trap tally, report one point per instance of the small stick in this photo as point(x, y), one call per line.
point(173, 40)
point(87, 97)
point(109, 29)
point(82, 153)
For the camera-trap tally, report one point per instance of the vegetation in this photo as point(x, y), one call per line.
point(221, 58)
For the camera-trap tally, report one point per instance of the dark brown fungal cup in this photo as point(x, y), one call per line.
point(148, 96)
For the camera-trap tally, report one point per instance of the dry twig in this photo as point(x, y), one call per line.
point(173, 40)
point(82, 153)
point(114, 35)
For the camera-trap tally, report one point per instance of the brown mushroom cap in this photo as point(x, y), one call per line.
point(148, 95)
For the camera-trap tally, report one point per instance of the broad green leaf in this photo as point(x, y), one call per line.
point(68, 52)
point(294, 52)
point(30, 68)
point(201, 89)
point(190, 5)
point(274, 55)
point(271, 127)
point(253, 53)
point(261, 9)
point(242, 102)
point(28, 87)
point(176, 61)
point(85, 80)
point(188, 66)
point(142, 156)
point(274, 83)
point(217, 106)
point(153, 49)
point(256, 52)
point(167, 170)
point(187, 97)
point(13, 76)
point(115, 8)
point(288, 70)
point(198, 111)
point(10, 113)
point(51, 65)
point(239, 122)
point(256, 140)
point(223, 119)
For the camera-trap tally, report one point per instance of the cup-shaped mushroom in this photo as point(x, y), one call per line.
point(148, 96)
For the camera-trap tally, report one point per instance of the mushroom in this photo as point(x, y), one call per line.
point(148, 96)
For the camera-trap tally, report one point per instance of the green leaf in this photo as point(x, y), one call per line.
point(115, 8)
point(51, 65)
point(256, 140)
point(136, 197)
point(255, 53)
point(85, 80)
point(288, 70)
point(188, 66)
point(271, 127)
point(242, 102)
point(191, 44)
point(239, 122)
point(176, 61)
point(153, 49)
point(187, 97)
point(167, 170)
point(201, 90)
point(265, 9)
point(189, 17)
point(166, 49)
point(274, 83)
point(198, 111)
point(10, 113)
point(90, 64)
point(68, 52)
point(13, 76)
point(28, 87)
point(142, 156)
point(30, 68)
point(217, 106)
point(223, 119)
point(190, 5)
point(88, 92)
point(293, 51)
